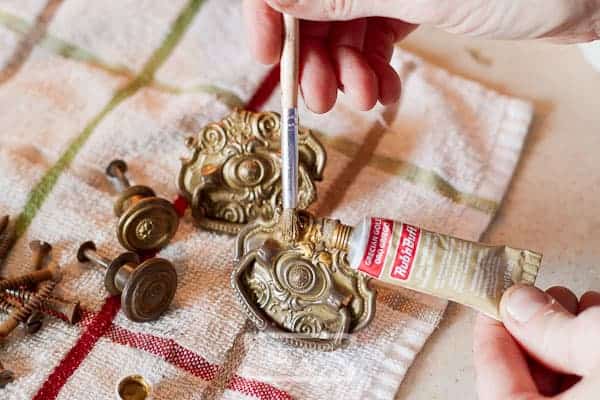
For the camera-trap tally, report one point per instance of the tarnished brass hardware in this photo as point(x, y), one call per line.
point(133, 387)
point(19, 314)
point(304, 293)
point(6, 376)
point(51, 273)
point(234, 174)
point(39, 251)
point(32, 323)
point(146, 222)
point(146, 288)
point(70, 311)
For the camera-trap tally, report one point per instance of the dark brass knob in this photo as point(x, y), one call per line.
point(146, 222)
point(146, 288)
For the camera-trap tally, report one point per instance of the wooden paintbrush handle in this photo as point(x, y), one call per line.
point(289, 62)
point(289, 112)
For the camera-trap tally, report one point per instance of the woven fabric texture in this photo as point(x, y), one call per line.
point(84, 82)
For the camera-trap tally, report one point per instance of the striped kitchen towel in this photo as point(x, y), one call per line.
point(84, 82)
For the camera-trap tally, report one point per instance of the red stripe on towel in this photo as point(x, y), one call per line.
point(257, 389)
point(167, 349)
point(185, 359)
point(96, 328)
point(261, 96)
point(98, 325)
point(181, 204)
point(265, 90)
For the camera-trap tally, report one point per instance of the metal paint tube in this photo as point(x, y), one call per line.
point(469, 273)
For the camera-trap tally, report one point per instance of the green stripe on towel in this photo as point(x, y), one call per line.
point(43, 188)
point(414, 174)
point(71, 51)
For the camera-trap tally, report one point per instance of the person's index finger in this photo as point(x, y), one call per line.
point(264, 29)
point(501, 368)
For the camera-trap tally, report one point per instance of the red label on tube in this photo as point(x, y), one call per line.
point(407, 250)
point(377, 247)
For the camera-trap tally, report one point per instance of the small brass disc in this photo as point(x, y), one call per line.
point(133, 387)
point(113, 269)
point(148, 225)
point(134, 191)
point(149, 290)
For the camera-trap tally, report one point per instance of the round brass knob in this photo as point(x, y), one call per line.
point(146, 222)
point(147, 288)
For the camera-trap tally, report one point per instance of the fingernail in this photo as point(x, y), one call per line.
point(523, 302)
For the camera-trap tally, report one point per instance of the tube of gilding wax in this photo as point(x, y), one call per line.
point(466, 272)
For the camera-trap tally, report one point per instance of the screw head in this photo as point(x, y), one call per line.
point(116, 166)
point(34, 322)
point(85, 246)
point(40, 246)
point(73, 313)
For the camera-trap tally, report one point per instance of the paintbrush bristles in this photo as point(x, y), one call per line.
point(289, 225)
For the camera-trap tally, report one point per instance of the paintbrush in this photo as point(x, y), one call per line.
point(289, 127)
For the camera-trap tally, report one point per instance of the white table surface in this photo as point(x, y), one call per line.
point(553, 204)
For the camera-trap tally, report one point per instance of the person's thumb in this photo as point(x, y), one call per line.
point(409, 11)
point(551, 334)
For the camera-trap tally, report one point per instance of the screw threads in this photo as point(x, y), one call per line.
point(22, 296)
point(52, 306)
point(336, 235)
point(35, 302)
point(29, 279)
point(6, 307)
point(343, 233)
point(24, 280)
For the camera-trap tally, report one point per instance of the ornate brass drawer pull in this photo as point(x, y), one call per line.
point(234, 174)
point(304, 293)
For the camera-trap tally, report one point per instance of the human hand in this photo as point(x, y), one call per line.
point(353, 53)
point(553, 351)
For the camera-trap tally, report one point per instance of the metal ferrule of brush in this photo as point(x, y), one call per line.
point(289, 158)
